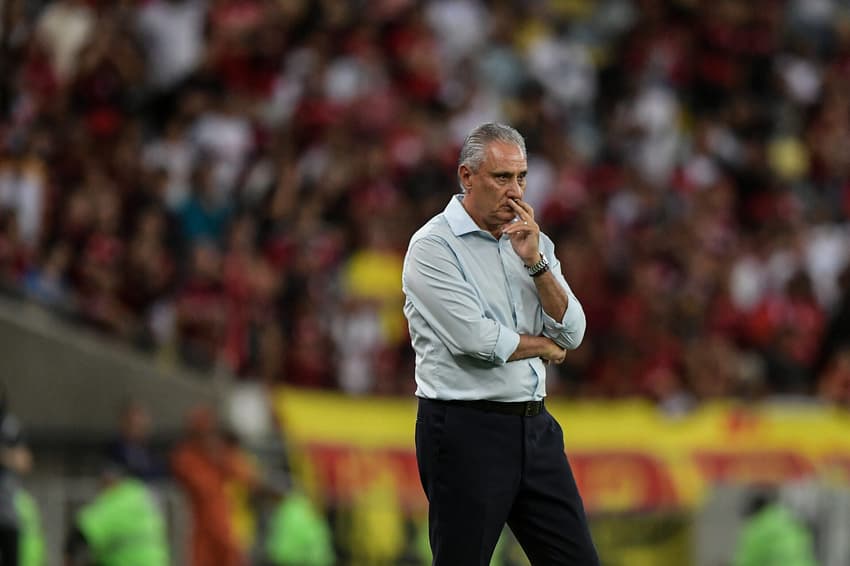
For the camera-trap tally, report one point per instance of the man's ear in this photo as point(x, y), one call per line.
point(464, 173)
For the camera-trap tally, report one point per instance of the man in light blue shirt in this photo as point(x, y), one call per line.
point(488, 307)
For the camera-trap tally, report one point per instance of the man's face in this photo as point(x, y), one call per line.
point(499, 178)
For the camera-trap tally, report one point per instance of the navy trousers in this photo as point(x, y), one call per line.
point(481, 470)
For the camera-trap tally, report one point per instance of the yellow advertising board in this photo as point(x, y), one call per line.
point(626, 455)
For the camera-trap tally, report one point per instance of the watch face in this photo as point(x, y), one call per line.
point(541, 266)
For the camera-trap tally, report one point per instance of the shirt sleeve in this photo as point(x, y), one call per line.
point(569, 331)
point(436, 287)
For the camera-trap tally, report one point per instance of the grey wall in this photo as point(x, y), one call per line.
point(65, 382)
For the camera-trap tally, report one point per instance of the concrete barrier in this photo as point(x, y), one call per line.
point(64, 381)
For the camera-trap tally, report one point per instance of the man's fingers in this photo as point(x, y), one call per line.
point(518, 208)
point(525, 215)
point(562, 355)
point(522, 207)
point(518, 228)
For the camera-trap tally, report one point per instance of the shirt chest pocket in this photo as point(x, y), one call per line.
point(504, 289)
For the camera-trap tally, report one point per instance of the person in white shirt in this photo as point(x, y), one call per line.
point(488, 308)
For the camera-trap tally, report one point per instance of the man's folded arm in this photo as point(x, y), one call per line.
point(437, 289)
point(569, 331)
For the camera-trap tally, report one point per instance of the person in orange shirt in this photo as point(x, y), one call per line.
point(200, 465)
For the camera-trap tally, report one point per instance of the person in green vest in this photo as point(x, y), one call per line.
point(122, 526)
point(299, 535)
point(31, 536)
point(15, 462)
point(772, 536)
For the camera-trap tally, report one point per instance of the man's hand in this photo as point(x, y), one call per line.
point(524, 232)
point(538, 347)
point(555, 355)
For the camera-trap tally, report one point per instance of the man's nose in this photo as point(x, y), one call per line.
point(514, 189)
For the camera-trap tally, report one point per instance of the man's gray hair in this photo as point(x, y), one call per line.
point(472, 153)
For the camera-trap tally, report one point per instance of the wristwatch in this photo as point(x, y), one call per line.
point(538, 268)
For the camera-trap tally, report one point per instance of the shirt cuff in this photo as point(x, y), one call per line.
point(506, 345)
point(572, 319)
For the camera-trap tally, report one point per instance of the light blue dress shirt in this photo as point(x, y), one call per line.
point(468, 297)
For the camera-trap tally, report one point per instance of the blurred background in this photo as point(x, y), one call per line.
point(204, 206)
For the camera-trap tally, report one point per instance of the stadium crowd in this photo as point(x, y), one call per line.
point(232, 183)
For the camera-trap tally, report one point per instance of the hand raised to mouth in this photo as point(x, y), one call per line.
point(524, 232)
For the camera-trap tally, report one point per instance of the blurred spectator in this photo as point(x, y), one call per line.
point(149, 269)
point(47, 282)
point(374, 507)
point(252, 286)
point(122, 525)
point(204, 215)
point(171, 158)
point(242, 484)
point(837, 334)
point(15, 258)
point(201, 308)
point(370, 324)
point(834, 384)
point(172, 33)
point(298, 534)
point(203, 466)
point(131, 450)
point(21, 541)
point(32, 547)
point(63, 29)
point(223, 133)
point(22, 192)
point(772, 535)
point(307, 361)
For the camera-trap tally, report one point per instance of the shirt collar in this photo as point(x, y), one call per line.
point(458, 218)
